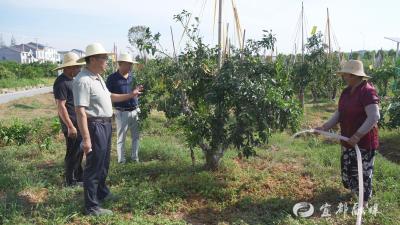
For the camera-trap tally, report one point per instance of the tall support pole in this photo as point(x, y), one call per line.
point(397, 52)
point(301, 94)
point(226, 46)
point(242, 44)
point(329, 32)
point(173, 42)
point(220, 34)
point(243, 39)
point(302, 31)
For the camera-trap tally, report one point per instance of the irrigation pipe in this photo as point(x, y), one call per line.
point(359, 168)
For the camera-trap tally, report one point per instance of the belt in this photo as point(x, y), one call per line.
point(130, 109)
point(99, 119)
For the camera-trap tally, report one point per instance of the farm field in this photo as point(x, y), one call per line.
point(166, 189)
point(232, 103)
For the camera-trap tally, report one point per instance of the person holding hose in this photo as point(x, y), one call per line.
point(358, 115)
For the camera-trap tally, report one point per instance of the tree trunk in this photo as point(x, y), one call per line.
point(213, 157)
point(192, 156)
point(334, 92)
point(314, 95)
point(145, 58)
point(385, 88)
point(301, 97)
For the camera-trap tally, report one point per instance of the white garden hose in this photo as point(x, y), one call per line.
point(359, 168)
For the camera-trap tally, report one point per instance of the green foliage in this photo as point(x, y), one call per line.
point(301, 76)
point(382, 76)
point(391, 107)
point(321, 68)
point(386, 78)
point(13, 74)
point(5, 73)
point(38, 131)
point(17, 133)
point(240, 104)
point(391, 113)
point(316, 71)
point(44, 131)
point(258, 190)
point(142, 39)
point(355, 55)
point(31, 71)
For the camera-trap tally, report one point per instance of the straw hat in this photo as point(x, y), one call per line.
point(125, 57)
point(94, 49)
point(354, 67)
point(70, 59)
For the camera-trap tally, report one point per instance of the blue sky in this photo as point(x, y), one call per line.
point(357, 24)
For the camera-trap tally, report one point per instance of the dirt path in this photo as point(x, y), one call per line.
point(4, 98)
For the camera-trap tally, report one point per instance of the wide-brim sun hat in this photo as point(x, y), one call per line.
point(354, 67)
point(125, 57)
point(70, 59)
point(95, 49)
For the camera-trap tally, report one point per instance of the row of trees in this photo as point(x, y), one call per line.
point(238, 105)
point(248, 98)
point(316, 70)
point(10, 70)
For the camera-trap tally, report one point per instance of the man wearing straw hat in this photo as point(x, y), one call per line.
point(63, 95)
point(93, 105)
point(126, 113)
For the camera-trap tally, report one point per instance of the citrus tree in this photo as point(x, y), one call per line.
point(238, 105)
point(391, 104)
point(382, 76)
point(315, 71)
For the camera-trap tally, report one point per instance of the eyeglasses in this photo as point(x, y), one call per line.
point(102, 57)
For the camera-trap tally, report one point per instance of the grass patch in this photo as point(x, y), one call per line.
point(28, 109)
point(24, 82)
point(166, 189)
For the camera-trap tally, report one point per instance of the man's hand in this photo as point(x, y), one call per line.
point(86, 146)
point(138, 90)
point(72, 132)
point(354, 139)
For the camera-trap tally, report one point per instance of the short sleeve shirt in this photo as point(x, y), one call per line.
point(352, 114)
point(62, 90)
point(118, 84)
point(90, 91)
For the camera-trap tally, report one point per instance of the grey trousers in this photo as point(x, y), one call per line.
point(127, 120)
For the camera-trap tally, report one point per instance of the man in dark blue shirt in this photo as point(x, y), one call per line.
point(126, 113)
point(63, 95)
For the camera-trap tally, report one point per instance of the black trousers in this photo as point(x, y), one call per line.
point(97, 164)
point(73, 159)
point(350, 170)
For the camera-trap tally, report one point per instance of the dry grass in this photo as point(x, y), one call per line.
point(40, 106)
point(34, 196)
